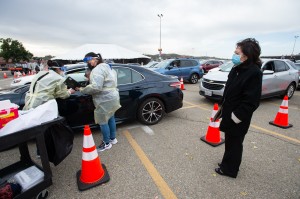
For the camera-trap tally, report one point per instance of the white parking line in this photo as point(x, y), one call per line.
point(148, 130)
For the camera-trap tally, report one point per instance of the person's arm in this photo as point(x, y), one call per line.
point(250, 98)
point(96, 83)
point(61, 90)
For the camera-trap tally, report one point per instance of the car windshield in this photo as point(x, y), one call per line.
point(226, 67)
point(151, 64)
point(163, 64)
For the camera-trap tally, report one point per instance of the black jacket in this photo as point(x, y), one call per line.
point(241, 96)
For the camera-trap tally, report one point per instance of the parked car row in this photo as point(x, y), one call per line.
point(144, 95)
point(279, 78)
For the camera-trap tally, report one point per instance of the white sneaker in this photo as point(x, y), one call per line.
point(103, 146)
point(114, 141)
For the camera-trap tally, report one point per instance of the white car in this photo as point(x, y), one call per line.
point(23, 80)
point(279, 79)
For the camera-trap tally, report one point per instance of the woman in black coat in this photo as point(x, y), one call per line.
point(240, 99)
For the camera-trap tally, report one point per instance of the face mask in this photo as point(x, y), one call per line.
point(90, 66)
point(236, 59)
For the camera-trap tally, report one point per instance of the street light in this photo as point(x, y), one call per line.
point(294, 44)
point(159, 49)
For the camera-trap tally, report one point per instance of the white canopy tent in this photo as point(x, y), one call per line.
point(107, 51)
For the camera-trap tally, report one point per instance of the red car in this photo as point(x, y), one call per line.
point(209, 64)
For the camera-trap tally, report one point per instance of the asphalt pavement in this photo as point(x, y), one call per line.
point(168, 160)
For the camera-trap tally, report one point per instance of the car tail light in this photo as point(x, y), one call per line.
point(175, 84)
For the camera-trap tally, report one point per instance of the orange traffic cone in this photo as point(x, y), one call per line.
point(4, 75)
point(15, 75)
point(282, 118)
point(24, 74)
point(213, 136)
point(29, 73)
point(92, 172)
point(181, 84)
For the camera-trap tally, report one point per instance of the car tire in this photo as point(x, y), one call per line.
point(194, 78)
point(290, 90)
point(151, 111)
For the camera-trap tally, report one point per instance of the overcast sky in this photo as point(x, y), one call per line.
point(192, 27)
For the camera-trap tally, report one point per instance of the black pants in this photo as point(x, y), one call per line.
point(233, 154)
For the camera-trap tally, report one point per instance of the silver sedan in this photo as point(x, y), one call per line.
point(279, 79)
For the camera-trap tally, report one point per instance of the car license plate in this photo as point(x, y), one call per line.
point(208, 93)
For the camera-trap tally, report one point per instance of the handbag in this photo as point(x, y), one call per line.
point(59, 142)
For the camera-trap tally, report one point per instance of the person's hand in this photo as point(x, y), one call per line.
point(77, 88)
point(71, 91)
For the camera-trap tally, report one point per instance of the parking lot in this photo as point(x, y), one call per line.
point(168, 160)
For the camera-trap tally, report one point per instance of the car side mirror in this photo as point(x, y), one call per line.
point(268, 72)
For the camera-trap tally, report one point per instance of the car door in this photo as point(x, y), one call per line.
point(268, 84)
point(282, 75)
point(78, 108)
point(130, 85)
point(173, 68)
point(186, 67)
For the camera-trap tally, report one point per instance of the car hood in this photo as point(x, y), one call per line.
point(26, 78)
point(214, 69)
point(217, 76)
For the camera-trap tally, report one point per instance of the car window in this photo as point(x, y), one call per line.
point(294, 65)
point(194, 63)
point(77, 75)
point(163, 64)
point(127, 76)
point(297, 66)
point(186, 63)
point(136, 77)
point(21, 89)
point(280, 66)
point(268, 66)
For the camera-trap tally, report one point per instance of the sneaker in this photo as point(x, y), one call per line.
point(114, 141)
point(103, 146)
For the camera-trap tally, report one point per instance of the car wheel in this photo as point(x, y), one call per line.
point(151, 111)
point(194, 78)
point(290, 90)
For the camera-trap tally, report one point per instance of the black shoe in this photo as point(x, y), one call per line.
point(219, 164)
point(219, 171)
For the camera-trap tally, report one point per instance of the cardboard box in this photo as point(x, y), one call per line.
point(7, 115)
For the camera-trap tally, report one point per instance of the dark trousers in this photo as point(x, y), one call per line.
point(233, 154)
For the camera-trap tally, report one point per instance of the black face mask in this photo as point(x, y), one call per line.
point(90, 66)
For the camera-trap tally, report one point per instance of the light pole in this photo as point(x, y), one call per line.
point(159, 49)
point(296, 36)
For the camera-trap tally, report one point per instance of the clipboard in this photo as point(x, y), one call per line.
point(71, 83)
